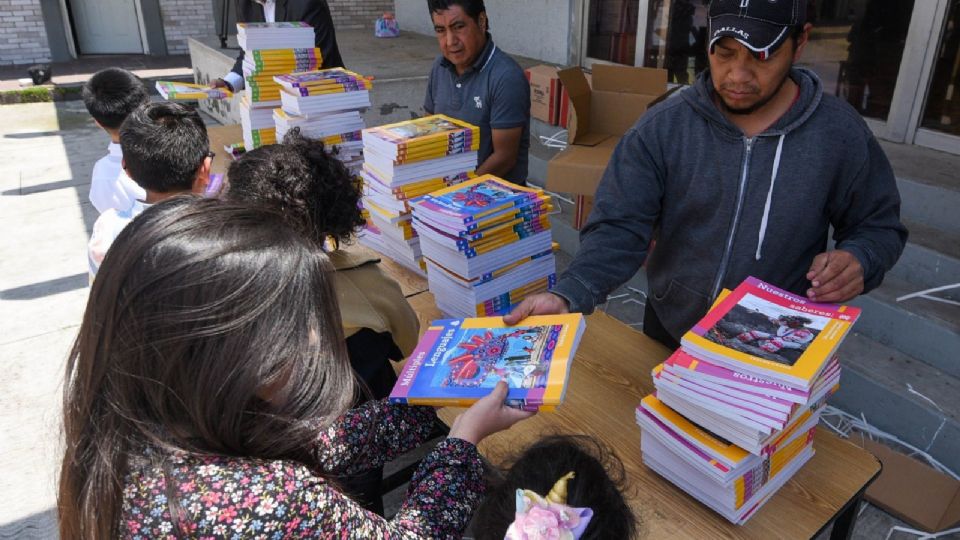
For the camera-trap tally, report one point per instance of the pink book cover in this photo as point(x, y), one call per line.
point(757, 414)
point(765, 330)
point(738, 379)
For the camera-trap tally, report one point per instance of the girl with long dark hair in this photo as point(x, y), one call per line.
point(207, 394)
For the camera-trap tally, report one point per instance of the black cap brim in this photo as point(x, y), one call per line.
point(761, 38)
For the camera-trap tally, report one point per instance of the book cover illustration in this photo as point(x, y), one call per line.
point(461, 360)
point(471, 200)
point(766, 328)
point(423, 127)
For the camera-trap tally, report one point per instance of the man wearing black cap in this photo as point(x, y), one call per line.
point(742, 174)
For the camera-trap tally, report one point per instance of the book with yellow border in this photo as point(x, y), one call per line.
point(179, 91)
point(394, 139)
point(766, 331)
point(459, 361)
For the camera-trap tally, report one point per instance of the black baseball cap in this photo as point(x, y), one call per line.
point(762, 26)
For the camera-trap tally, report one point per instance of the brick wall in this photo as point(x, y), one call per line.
point(184, 19)
point(23, 38)
point(358, 13)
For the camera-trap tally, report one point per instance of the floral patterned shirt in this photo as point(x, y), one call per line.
point(227, 497)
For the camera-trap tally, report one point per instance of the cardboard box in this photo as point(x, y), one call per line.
point(913, 491)
point(545, 93)
point(564, 119)
point(603, 109)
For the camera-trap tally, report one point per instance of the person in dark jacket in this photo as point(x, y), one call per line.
point(742, 174)
point(316, 13)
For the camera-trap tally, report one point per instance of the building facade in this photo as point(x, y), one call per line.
point(33, 31)
point(896, 62)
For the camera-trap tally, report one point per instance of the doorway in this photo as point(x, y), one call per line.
point(106, 26)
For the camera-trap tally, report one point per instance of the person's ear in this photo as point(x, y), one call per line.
point(802, 41)
point(203, 175)
point(483, 22)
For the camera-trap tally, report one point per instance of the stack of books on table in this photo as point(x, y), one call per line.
point(270, 49)
point(326, 105)
point(406, 160)
point(487, 244)
point(257, 124)
point(458, 361)
point(736, 407)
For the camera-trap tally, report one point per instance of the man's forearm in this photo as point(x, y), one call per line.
point(498, 163)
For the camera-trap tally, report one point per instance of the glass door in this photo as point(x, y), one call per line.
point(939, 122)
point(676, 38)
point(610, 32)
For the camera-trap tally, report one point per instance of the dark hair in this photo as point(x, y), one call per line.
point(112, 94)
point(212, 327)
point(473, 8)
point(599, 479)
point(308, 184)
point(164, 144)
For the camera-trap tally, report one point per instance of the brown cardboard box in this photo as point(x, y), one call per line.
point(912, 490)
point(545, 93)
point(603, 109)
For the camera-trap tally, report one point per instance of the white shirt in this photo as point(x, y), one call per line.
point(269, 15)
point(106, 229)
point(110, 186)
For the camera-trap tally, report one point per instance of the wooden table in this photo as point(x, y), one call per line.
point(611, 373)
point(221, 136)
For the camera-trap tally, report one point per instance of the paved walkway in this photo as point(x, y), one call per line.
point(47, 152)
point(75, 72)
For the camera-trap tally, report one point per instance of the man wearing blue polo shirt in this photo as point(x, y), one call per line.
point(476, 82)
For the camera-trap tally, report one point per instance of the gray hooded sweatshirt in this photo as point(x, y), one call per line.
point(726, 207)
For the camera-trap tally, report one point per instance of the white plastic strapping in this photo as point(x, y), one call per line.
point(845, 424)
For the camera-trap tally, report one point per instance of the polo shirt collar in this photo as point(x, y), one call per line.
point(482, 59)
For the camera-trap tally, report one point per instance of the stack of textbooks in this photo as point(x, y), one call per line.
point(407, 160)
point(487, 244)
point(270, 49)
point(458, 361)
point(325, 105)
point(257, 123)
point(736, 407)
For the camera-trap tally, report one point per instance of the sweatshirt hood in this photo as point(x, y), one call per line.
point(700, 98)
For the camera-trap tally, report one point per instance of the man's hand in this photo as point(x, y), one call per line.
point(220, 83)
point(538, 304)
point(836, 276)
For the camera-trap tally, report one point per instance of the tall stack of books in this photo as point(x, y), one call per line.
point(736, 407)
point(326, 105)
point(270, 49)
point(407, 160)
point(487, 244)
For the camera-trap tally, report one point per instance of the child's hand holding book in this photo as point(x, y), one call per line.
point(487, 416)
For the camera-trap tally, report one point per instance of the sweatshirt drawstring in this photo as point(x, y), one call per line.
point(766, 206)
